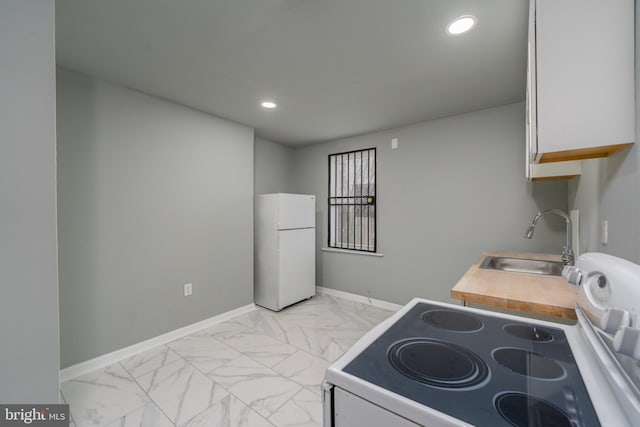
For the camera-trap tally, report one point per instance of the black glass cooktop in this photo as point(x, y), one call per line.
point(484, 370)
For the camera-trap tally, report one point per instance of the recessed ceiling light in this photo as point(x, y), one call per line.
point(461, 24)
point(269, 104)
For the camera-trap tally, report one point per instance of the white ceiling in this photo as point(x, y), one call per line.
point(334, 67)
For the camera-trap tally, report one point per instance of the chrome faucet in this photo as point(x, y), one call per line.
point(567, 251)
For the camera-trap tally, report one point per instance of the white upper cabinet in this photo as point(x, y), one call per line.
point(580, 83)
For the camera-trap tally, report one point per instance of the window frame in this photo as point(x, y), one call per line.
point(371, 197)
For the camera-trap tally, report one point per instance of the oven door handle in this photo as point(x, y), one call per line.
point(327, 405)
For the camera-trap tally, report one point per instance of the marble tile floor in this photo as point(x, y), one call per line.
point(259, 369)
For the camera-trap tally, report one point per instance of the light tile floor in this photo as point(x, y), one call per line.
point(259, 369)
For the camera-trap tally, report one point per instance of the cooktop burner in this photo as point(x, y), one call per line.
point(528, 332)
point(482, 369)
point(452, 320)
point(438, 363)
point(529, 364)
point(527, 411)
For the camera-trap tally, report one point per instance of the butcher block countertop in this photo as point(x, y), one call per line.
point(533, 293)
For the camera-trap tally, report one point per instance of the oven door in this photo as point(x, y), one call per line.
point(344, 409)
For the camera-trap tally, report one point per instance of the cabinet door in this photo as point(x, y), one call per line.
point(531, 103)
point(534, 171)
point(584, 75)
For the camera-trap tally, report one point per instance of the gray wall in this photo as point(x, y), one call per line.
point(273, 172)
point(608, 189)
point(152, 195)
point(454, 188)
point(584, 195)
point(614, 183)
point(29, 352)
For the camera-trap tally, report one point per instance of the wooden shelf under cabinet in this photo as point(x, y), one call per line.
point(583, 153)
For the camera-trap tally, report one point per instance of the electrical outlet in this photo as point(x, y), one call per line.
point(188, 289)
point(394, 143)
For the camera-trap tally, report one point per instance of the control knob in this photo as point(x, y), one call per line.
point(627, 341)
point(572, 274)
point(614, 319)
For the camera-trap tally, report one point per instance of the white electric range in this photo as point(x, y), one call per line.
point(439, 365)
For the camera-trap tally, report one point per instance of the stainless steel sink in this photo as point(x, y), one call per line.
point(518, 265)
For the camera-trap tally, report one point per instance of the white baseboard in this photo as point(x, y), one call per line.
point(118, 355)
point(359, 298)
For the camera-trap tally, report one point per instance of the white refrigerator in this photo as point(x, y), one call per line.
point(285, 249)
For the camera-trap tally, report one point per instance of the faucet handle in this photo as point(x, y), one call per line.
point(567, 255)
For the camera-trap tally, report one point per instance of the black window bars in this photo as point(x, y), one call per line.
point(352, 200)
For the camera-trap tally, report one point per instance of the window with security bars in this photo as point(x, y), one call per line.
point(352, 200)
